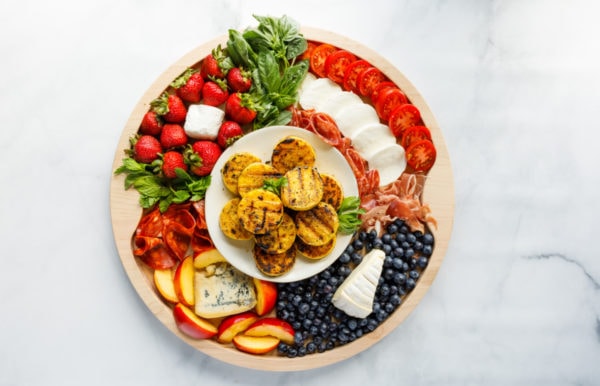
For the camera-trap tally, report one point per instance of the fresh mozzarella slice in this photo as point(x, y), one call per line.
point(354, 117)
point(203, 121)
point(339, 101)
point(372, 138)
point(308, 79)
point(390, 162)
point(317, 92)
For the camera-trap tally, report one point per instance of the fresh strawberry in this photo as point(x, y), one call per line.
point(146, 149)
point(210, 65)
point(171, 161)
point(189, 86)
point(202, 156)
point(170, 107)
point(238, 108)
point(173, 135)
point(239, 80)
point(229, 132)
point(151, 123)
point(214, 93)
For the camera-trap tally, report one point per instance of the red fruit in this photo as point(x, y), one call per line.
point(170, 107)
point(229, 132)
point(146, 149)
point(214, 93)
point(210, 65)
point(171, 161)
point(202, 157)
point(151, 123)
point(189, 86)
point(238, 109)
point(239, 80)
point(173, 135)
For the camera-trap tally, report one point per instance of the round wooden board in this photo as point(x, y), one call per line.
point(126, 212)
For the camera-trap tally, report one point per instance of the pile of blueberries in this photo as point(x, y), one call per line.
point(319, 326)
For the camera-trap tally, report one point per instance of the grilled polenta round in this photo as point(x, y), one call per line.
point(229, 221)
point(333, 193)
point(315, 252)
point(254, 175)
point(292, 151)
point(274, 264)
point(260, 211)
point(233, 167)
point(304, 188)
point(318, 225)
point(280, 239)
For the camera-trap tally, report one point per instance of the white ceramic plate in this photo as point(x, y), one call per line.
point(261, 143)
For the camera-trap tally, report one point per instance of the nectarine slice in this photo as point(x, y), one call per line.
point(183, 281)
point(191, 324)
point(255, 344)
point(163, 280)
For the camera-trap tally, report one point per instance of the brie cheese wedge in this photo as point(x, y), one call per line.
point(355, 296)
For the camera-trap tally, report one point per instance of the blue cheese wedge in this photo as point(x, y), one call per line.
point(356, 294)
point(203, 121)
point(223, 291)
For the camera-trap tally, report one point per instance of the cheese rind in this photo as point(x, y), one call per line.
point(226, 292)
point(356, 294)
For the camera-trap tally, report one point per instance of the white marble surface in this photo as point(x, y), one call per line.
point(514, 86)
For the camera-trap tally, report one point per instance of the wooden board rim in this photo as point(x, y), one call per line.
point(439, 194)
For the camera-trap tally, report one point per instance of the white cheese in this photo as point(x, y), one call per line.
point(390, 162)
point(372, 138)
point(338, 101)
point(354, 117)
point(317, 92)
point(356, 294)
point(203, 121)
point(226, 292)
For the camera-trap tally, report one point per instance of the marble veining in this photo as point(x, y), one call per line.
point(514, 86)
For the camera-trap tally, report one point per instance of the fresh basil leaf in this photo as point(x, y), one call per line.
point(239, 50)
point(268, 71)
point(293, 77)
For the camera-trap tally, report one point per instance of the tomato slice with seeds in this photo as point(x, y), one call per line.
point(319, 56)
point(351, 74)
point(415, 134)
point(308, 52)
point(336, 64)
point(404, 117)
point(421, 155)
point(379, 88)
point(388, 100)
point(368, 79)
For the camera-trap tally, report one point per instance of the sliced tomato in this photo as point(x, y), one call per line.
point(351, 74)
point(319, 56)
point(415, 134)
point(336, 64)
point(379, 88)
point(368, 79)
point(309, 50)
point(403, 117)
point(388, 100)
point(421, 155)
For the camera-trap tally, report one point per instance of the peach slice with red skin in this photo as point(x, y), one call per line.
point(208, 257)
point(163, 280)
point(235, 324)
point(255, 344)
point(191, 324)
point(274, 327)
point(183, 281)
point(266, 296)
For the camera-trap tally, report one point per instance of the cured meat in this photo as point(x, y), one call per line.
point(150, 224)
point(401, 199)
point(153, 252)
